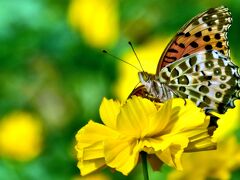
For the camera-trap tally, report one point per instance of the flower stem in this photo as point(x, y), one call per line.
point(144, 165)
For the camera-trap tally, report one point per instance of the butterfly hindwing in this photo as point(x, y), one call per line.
point(142, 91)
point(204, 32)
point(208, 78)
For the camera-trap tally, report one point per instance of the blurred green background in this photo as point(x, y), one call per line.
point(52, 72)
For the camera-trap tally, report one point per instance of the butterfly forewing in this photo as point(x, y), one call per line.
point(208, 78)
point(204, 32)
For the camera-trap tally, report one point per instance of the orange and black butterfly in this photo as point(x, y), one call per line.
point(196, 65)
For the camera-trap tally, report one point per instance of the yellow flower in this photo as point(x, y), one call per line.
point(20, 136)
point(163, 131)
point(149, 55)
point(210, 165)
point(96, 20)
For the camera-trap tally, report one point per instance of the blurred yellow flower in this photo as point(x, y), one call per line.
point(149, 55)
point(210, 165)
point(20, 136)
point(94, 176)
point(163, 131)
point(96, 20)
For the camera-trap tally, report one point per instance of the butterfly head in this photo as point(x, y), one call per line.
point(145, 78)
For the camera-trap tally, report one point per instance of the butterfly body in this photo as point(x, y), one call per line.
point(196, 65)
point(156, 88)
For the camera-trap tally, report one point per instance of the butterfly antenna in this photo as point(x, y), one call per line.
point(104, 51)
point(135, 54)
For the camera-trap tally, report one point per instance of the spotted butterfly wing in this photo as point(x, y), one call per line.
point(197, 81)
point(206, 31)
point(208, 78)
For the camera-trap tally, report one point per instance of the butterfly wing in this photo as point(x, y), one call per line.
point(142, 91)
point(139, 91)
point(204, 32)
point(208, 78)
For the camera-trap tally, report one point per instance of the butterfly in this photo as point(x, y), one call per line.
point(196, 65)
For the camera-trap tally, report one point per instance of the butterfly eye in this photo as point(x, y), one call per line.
point(145, 77)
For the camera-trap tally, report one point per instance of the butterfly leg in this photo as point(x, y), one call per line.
point(212, 126)
point(185, 102)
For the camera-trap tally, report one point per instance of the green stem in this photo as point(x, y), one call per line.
point(144, 165)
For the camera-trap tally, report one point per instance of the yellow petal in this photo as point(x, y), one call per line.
point(171, 154)
point(168, 148)
point(188, 117)
point(169, 139)
point(177, 152)
point(170, 159)
point(109, 110)
point(175, 116)
point(165, 157)
point(159, 121)
point(200, 141)
point(121, 154)
point(90, 146)
point(91, 152)
point(133, 119)
point(91, 158)
point(93, 133)
point(87, 167)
